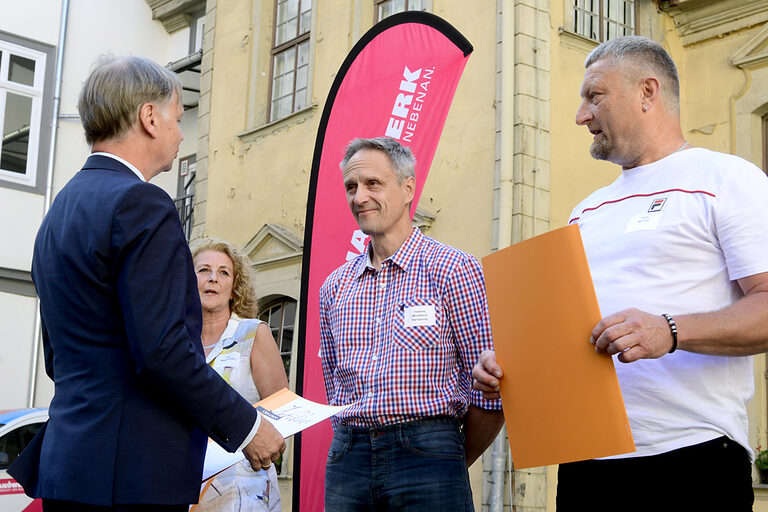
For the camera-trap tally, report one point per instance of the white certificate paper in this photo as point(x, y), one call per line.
point(287, 411)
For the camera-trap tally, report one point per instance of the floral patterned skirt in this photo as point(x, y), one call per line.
point(241, 489)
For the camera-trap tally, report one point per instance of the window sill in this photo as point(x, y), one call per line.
point(576, 41)
point(21, 185)
point(298, 117)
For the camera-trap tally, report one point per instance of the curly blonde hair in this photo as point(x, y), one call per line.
point(244, 302)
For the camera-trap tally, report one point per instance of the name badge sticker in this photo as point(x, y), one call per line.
point(228, 366)
point(643, 221)
point(417, 316)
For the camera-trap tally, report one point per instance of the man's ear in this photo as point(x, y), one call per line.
point(410, 189)
point(651, 90)
point(148, 118)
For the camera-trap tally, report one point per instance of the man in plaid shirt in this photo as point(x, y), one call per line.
point(401, 326)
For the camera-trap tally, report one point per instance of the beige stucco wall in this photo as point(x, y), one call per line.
point(575, 174)
point(254, 179)
point(706, 90)
point(459, 189)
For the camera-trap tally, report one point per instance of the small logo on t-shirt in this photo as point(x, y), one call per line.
point(657, 205)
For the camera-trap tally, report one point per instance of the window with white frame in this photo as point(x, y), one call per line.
point(280, 315)
point(601, 20)
point(22, 82)
point(290, 58)
point(386, 8)
point(196, 31)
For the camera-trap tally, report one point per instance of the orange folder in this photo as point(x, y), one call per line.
point(561, 399)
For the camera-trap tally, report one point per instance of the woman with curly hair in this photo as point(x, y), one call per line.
point(242, 350)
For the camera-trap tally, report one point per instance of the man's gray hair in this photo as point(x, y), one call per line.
point(403, 161)
point(116, 89)
point(641, 52)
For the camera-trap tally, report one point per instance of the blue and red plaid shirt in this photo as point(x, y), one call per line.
point(391, 372)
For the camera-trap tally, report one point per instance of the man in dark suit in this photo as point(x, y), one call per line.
point(134, 400)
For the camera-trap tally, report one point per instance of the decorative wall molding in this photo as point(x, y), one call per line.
point(175, 14)
point(754, 53)
point(273, 244)
point(575, 41)
point(423, 219)
point(698, 20)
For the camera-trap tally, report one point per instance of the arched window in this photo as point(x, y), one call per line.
point(280, 315)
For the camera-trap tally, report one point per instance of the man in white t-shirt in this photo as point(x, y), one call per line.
point(678, 250)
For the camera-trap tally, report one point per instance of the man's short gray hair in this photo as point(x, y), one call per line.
point(641, 52)
point(403, 161)
point(115, 90)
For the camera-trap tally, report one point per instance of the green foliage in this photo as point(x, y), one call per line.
point(761, 461)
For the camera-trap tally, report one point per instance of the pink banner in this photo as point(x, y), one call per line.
point(398, 81)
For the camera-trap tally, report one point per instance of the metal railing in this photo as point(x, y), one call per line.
point(185, 205)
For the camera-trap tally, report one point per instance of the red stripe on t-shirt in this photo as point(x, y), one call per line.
point(641, 195)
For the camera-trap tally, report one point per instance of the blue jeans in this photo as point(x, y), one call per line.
point(414, 466)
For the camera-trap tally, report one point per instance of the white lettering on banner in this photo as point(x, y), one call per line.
point(405, 115)
point(401, 105)
point(358, 242)
point(402, 124)
point(10, 486)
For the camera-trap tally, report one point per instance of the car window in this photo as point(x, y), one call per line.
point(15, 441)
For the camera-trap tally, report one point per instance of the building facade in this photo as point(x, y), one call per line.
point(46, 50)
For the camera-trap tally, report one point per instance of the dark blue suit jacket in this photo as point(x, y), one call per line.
point(134, 400)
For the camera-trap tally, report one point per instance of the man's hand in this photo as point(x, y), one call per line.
point(265, 447)
point(633, 334)
point(486, 375)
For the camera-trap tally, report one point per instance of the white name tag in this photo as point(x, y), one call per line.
point(643, 221)
point(229, 360)
point(416, 316)
point(228, 366)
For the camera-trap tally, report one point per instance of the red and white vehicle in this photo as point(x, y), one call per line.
point(17, 428)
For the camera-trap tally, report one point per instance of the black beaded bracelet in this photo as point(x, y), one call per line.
point(673, 328)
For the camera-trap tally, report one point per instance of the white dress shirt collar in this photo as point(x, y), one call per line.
point(124, 162)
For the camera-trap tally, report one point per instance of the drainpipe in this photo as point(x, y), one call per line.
point(37, 341)
point(506, 153)
point(506, 208)
point(498, 471)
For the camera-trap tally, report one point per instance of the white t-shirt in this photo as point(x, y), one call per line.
point(673, 237)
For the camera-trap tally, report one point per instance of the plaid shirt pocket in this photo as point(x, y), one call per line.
point(421, 334)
